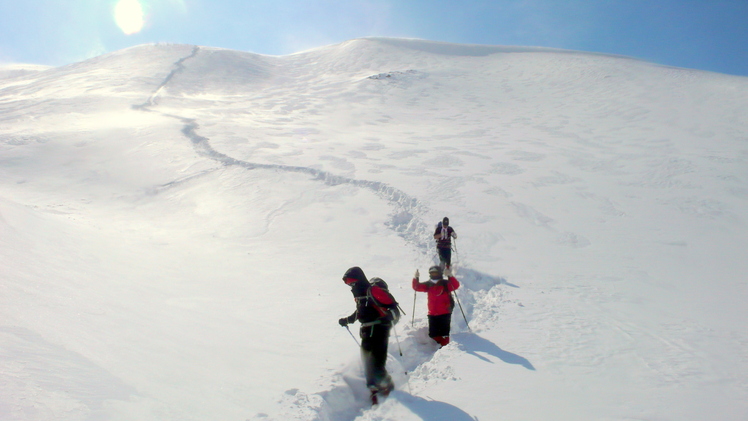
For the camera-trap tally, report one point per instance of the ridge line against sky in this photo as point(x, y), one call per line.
point(693, 34)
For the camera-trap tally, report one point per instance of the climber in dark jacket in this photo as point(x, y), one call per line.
point(375, 329)
point(443, 236)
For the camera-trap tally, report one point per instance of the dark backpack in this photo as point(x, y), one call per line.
point(389, 312)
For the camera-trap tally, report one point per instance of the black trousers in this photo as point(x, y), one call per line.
point(445, 256)
point(374, 341)
point(440, 325)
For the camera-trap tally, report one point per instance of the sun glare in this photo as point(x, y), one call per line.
point(129, 16)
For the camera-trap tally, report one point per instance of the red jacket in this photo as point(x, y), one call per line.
point(440, 297)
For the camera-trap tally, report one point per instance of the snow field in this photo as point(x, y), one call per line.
point(175, 220)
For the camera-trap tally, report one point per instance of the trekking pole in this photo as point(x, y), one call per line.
point(415, 294)
point(413, 316)
point(354, 338)
point(407, 378)
point(461, 311)
point(457, 254)
point(398, 343)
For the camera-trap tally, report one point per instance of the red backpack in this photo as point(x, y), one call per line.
point(390, 312)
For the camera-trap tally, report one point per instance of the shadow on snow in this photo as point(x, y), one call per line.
point(432, 410)
point(475, 345)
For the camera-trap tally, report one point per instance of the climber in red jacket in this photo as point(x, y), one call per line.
point(440, 301)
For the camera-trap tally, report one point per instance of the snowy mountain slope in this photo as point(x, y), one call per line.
point(175, 221)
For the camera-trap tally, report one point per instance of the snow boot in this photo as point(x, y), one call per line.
point(381, 390)
point(441, 340)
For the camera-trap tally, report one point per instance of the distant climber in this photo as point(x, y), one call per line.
point(443, 236)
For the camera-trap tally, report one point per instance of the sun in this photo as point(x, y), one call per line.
point(129, 16)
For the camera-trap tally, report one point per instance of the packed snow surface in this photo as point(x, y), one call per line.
point(175, 221)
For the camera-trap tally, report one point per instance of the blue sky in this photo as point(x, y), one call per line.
point(700, 34)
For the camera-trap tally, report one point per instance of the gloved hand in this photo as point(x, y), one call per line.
point(448, 272)
point(417, 275)
point(343, 321)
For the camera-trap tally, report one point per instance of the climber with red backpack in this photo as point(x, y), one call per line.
point(377, 311)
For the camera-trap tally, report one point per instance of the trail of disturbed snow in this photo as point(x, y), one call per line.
point(178, 68)
point(403, 220)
